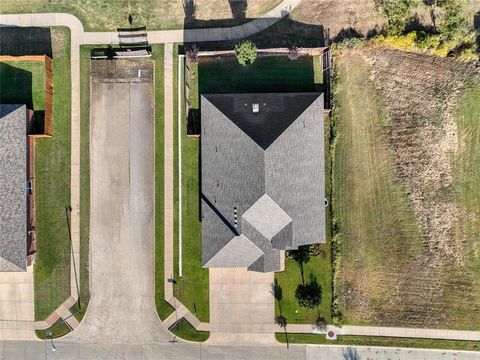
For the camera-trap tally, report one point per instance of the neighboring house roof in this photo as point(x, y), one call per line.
point(13, 176)
point(262, 176)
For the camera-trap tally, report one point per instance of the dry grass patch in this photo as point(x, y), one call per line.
point(403, 206)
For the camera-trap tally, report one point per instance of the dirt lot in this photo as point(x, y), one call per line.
point(406, 189)
point(356, 16)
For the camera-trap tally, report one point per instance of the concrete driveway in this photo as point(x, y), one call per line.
point(122, 304)
point(16, 306)
point(241, 307)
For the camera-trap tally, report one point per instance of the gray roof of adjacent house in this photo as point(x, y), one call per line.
point(13, 198)
point(262, 177)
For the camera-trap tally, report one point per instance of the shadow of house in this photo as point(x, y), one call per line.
point(285, 32)
point(21, 41)
point(15, 86)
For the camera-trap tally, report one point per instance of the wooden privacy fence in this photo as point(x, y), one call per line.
point(48, 105)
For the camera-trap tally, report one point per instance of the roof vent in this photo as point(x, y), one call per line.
point(255, 108)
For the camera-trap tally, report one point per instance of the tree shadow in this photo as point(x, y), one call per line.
point(277, 292)
point(239, 8)
point(301, 256)
point(16, 85)
point(20, 41)
point(350, 354)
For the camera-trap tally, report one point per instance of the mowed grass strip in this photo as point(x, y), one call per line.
point(377, 232)
point(185, 331)
point(379, 341)
point(52, 185)
point(84, 180)
point(23, 82)
point(467, 184)
point(192, 288)
point(163, 308)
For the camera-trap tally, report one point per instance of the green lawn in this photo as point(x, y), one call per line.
point(84, 178)
point(52, 172)
point(185, 331)
point(163, 308)
point(60, 328)
point(100, 15)
point(380, 341)
point(266, 74)
point(192, 288)
point(467, 183)
point(23, 82)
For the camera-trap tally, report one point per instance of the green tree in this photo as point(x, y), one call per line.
point(309, 295)
point(246, 52)
point(397, 13)
point(453, 25)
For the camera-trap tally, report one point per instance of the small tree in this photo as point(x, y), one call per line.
point(309, 296)
point(293, 53)
point(454, 26)
point(192, 53)
point(397, 13)
point(246, 52)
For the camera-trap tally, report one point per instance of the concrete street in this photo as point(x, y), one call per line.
point(41, 350)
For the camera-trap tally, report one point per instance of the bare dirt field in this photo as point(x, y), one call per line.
point(357, 17)
point(407, 189)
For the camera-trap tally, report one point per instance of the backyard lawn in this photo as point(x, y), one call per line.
point(52, 178)
point(23, 82)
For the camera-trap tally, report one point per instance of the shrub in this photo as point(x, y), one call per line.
point(246, 52)
point(293, 53)
point(192, 53)
point(397, 13)
point(454, 26)
point(401, 42)
point(309, 295)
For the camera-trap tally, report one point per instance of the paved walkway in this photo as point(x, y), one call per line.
point(16, 306)
point(241, 307)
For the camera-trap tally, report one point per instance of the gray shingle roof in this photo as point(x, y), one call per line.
point(262, 174)
point(13, 176)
